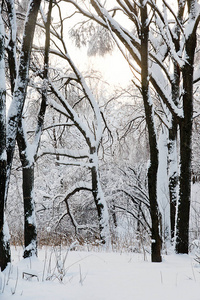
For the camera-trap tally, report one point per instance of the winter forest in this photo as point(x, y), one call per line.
point(99, 137)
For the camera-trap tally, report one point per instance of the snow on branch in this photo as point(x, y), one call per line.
point(177, 112)
point(196, 77)
point(90, 98)
point(132, 66)
point(86, 13)
point(167, 37)
point(68, 111)
point(132, 43)
point(86, 90)
point(174, 15)
point(129, 11)
point(21, 83)
point(193, 20)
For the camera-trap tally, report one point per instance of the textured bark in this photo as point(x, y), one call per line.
point(4, 243)
point(18, 89)
point(182, 237)
point(153, 168)
point(173, 131)
point(19, 94)
point(99, 200)
point(11, 49)
point(30, 232)
point(30, 229)
point(7, 142)
point(173, 176)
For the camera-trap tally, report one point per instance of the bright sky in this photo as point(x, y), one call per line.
point(112, 66)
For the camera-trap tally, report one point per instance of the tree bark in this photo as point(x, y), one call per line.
point(19, 94)
point(9, 139)
point(182, 236)
point(173, 175)
point(30, 232)
point(4, 239)
point(102, 209)
point(153, 168)
point(173, 131)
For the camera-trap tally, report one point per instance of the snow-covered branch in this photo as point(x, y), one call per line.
point(68, 111)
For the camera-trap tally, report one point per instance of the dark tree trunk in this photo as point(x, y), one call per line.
point(173, 131)
point(21, 84)
point(114, 216)
point(153, 168)
point(182, 237)
point(173, 175)
point(30, 229)
point(99, 200)
point(4, 240)
point(172, 150)
point(30, 233)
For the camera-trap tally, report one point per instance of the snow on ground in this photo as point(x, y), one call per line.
point(101, 276)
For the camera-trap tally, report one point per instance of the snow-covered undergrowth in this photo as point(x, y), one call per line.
point(74, 275)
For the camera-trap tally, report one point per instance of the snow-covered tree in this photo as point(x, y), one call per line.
point(166, 45)
point(88, 122)
point(138, 49)
point(19, 94)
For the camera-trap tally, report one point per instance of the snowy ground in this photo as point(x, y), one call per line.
point(101, 276)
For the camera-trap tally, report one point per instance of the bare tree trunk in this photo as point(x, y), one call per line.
point(19, 94)
point(182, 237)
point(173, 175)
point(4, 239)
point(101, 205)
point(173, 131)
point(153, 168)
point(28, 161)
point(30, 232)
point(14, 117)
